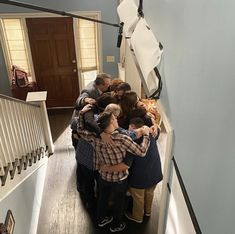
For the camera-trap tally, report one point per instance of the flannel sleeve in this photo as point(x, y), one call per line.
point(86, 135)
point(134, 148)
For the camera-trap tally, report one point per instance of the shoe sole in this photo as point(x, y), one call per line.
point(132, 219)
point(111, 230)
point(102, 225)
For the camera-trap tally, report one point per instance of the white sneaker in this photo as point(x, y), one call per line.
point(147, 214)
point(119, 228)
point(130, 217)
point(105, 221)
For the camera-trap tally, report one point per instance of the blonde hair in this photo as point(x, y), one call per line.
point(114, 109)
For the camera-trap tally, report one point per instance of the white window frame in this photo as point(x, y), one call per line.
point(5, 47)
point(23, 16)
point(99, 44)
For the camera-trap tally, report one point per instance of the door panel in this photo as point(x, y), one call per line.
point(53, 51)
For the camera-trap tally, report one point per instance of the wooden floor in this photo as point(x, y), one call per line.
point(62, 211)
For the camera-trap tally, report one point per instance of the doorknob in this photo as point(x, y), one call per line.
point(74, 70)
point(74, 61)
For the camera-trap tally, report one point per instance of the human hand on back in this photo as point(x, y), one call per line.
point(86, 108)
point(145, 130)
point(89, 100)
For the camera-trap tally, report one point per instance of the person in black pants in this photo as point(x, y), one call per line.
point(112, 154)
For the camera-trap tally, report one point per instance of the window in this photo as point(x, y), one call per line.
point(14, 38)
point(17, 50)
point(88, 49)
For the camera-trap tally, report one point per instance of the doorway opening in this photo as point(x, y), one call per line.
point(61, 56)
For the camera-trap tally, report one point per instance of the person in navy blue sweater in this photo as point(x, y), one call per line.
point(144, 174)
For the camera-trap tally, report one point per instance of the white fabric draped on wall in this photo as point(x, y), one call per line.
point(142, 41)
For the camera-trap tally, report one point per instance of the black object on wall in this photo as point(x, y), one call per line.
point(187, 200)
point(63, 13)
point(119, 40)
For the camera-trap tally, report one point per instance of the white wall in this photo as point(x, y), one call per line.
point(198, 94)
point(178, 219)
point(25, 202)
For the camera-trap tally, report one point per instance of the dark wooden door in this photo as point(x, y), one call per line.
point(53, 51)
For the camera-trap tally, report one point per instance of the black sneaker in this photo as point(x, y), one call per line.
point(118, 228)
point(105, 221)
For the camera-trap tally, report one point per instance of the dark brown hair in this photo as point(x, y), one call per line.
point(137, 122)
point(128, 102)
point(123, 86)
point(103, 100)
point(104, 120)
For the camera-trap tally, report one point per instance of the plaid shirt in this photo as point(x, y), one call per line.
point(113, 154)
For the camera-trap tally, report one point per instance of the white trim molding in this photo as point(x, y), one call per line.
point(166, 172)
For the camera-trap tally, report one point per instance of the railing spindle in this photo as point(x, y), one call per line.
point(24, 135)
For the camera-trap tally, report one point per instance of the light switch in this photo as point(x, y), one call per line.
point(110, 59)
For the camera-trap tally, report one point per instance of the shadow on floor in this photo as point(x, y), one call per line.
point(59, 120)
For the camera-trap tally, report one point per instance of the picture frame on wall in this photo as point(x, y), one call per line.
point(10, 222)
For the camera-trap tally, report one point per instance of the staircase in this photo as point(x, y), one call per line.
point(25, 139)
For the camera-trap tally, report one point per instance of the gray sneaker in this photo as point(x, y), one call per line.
point(118, 228)
point(105, 221)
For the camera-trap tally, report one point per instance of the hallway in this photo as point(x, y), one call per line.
point(62, 211)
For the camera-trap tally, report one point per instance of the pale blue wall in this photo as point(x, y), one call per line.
point(25, 202)
point(4, 81)
point(108, 14)
point(198, 93)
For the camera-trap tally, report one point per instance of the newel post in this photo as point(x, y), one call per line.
point(40, 98)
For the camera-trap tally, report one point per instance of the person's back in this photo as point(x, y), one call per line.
point(94, 89)
point(144, 174)
point(91, 89)
point(145, 171)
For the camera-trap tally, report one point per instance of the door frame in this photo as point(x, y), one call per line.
point(22, 16)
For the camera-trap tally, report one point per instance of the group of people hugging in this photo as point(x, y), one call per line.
point(114, 137)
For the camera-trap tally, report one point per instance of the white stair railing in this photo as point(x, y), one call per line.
point(25, 135)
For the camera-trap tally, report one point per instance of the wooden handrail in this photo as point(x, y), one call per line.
point(18, 100)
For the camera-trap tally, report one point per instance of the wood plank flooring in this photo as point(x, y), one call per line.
point(62, 211)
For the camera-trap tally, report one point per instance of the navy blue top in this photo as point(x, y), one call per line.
point(144, 172)
point(84, 150)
